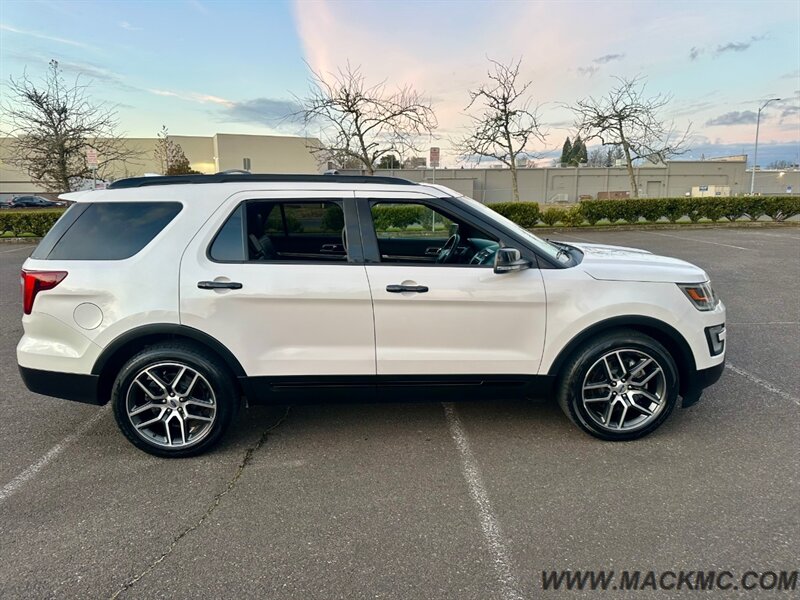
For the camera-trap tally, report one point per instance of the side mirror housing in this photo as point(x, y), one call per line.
point(507, 260)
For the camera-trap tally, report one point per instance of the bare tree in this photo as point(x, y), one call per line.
point(364, 122)
point(633, 121)
point(506, 123)
point(597, 157)
point(51, 125)
point(170, 156)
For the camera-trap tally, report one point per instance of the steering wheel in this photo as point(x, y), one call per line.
point(447, 252)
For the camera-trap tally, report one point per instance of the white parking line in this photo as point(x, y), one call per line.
point(779, 235)
point(765, 384)
point(16, 249)
point(677, 237)
point(489, 524)
point(12, 486)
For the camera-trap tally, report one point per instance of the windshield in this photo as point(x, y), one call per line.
point(546, 247)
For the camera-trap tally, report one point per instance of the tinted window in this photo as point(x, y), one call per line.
point(229, 243)
point(56, 231)
point(276, 231)
point(314, 218)
point(409, 220)
point(111, 231)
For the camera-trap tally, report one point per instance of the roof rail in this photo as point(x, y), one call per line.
point(134, 182)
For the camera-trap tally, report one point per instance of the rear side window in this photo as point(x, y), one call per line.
point(105, 230)
point(229, 244)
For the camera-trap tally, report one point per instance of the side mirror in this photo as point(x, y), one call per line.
point(509, 259)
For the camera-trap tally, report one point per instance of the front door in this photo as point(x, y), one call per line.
point(439, 307)
point(273, 278)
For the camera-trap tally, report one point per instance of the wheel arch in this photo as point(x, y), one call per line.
point(115, 354)
point(665, 334)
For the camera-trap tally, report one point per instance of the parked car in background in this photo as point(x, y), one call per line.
point(32, 202)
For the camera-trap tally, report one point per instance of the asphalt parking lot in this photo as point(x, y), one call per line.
point(419, 500)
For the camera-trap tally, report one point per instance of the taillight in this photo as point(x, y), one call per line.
point(34, 282)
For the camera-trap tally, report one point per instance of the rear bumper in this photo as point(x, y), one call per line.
point(69, 386)
point(701, 380)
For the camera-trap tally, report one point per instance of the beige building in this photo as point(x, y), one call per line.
point(570, 184)
point(255, 153)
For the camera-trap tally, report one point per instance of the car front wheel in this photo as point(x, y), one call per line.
point(620, 386)
point(174, 401)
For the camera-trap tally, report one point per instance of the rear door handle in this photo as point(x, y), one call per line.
point(219, 285)
point(396, 288)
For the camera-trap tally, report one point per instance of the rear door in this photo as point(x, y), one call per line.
point(291, 309)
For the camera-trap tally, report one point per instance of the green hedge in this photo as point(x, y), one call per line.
point(525, 214)
point(634, 210)
point(31, 222)
point(387, 216)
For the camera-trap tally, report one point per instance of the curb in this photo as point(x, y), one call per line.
point(651, 226)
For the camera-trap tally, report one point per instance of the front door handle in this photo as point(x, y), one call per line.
point(396, 288)
point(219, 285)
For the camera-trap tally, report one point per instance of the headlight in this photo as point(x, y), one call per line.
point(701, 295)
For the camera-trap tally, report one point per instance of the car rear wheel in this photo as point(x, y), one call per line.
point(173, 400)
point(621, 386)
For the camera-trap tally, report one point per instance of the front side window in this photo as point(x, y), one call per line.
point(279, 231)
point(547, 248)
point(416, 233)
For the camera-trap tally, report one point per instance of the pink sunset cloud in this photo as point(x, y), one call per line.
point(569, 50)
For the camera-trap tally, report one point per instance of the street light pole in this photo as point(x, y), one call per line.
point(755, 151)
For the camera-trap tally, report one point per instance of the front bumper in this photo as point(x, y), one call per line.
point(699, 381)
point(69, 386)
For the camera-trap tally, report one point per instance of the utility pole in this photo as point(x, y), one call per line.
point(755, 151)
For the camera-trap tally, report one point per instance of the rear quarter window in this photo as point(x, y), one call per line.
point(105, 230)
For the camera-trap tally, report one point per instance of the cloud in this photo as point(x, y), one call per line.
point(193, 97)
point(591, 70)
point(607, 58)
point(683, 109)
point(89, 70)
point(696, 51)
point(745, 117)
point(767, 151)
point(264, 111)
point(198, 6)
point(93, 72)
point(43, 36)
point(737, 46)
point(791, 75)
point(127, 26)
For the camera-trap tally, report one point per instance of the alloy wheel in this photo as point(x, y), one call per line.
point(624, 390)
point(171, 405)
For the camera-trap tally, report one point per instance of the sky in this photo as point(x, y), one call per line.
point(203, 66)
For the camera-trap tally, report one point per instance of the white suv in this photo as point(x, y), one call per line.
point(177, 297)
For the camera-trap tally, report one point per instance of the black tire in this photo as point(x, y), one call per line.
point(574, 374)
point(223, 398)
